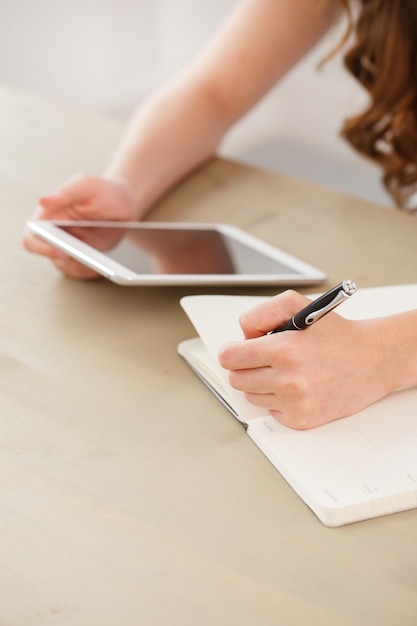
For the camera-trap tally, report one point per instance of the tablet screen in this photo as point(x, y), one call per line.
point(146, 253)
point(179, 251)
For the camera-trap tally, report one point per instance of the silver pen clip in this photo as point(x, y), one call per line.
point(316, 315)
point(347, 289)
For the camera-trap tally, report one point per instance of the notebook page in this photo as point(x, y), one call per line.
point(380, 301)
point(354, 468)
point(216, 320)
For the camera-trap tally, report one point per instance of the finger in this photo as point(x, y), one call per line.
point(272, 313)
point(40, 213)
point(73, 269)
point(296, 422)
point(60, 200)
point(250, 354)
point(62, 261)
point(257, 381)
point(78, 190)
point(53, 202)
point(263, 400)
point(34, 244)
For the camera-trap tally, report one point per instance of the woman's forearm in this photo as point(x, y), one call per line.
point(182, 125)
point(175, 132)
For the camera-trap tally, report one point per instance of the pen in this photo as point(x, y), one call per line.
point(314, 311)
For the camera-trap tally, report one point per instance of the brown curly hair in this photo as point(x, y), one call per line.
point(383, 58)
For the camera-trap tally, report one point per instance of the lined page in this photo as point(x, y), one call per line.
point(354, 468)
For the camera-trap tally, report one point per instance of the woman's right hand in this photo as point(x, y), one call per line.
point(83, 197)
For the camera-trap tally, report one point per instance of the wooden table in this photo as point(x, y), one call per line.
point(128, 494)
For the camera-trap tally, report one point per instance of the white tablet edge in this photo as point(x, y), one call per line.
point(121, 275)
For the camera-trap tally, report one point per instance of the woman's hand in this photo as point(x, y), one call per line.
point(307, 378)
point(83, 197)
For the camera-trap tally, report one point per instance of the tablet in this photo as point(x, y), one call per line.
point(162, 253)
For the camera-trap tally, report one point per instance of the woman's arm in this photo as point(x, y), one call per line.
point(330, 370)
point(181, 126)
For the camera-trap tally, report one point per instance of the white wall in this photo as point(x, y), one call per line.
point(109, 54)
point(104, 54)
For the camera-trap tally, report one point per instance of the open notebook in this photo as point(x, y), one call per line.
point(351, 469)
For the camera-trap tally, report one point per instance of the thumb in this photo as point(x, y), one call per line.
point(53, 202)
point(76, 191)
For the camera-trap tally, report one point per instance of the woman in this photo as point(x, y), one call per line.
point(338, 366)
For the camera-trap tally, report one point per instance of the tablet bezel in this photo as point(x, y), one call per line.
point(49, 231)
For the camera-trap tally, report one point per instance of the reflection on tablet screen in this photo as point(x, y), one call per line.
point(178, 251)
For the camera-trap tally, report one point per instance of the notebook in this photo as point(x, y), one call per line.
point(351, 469)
